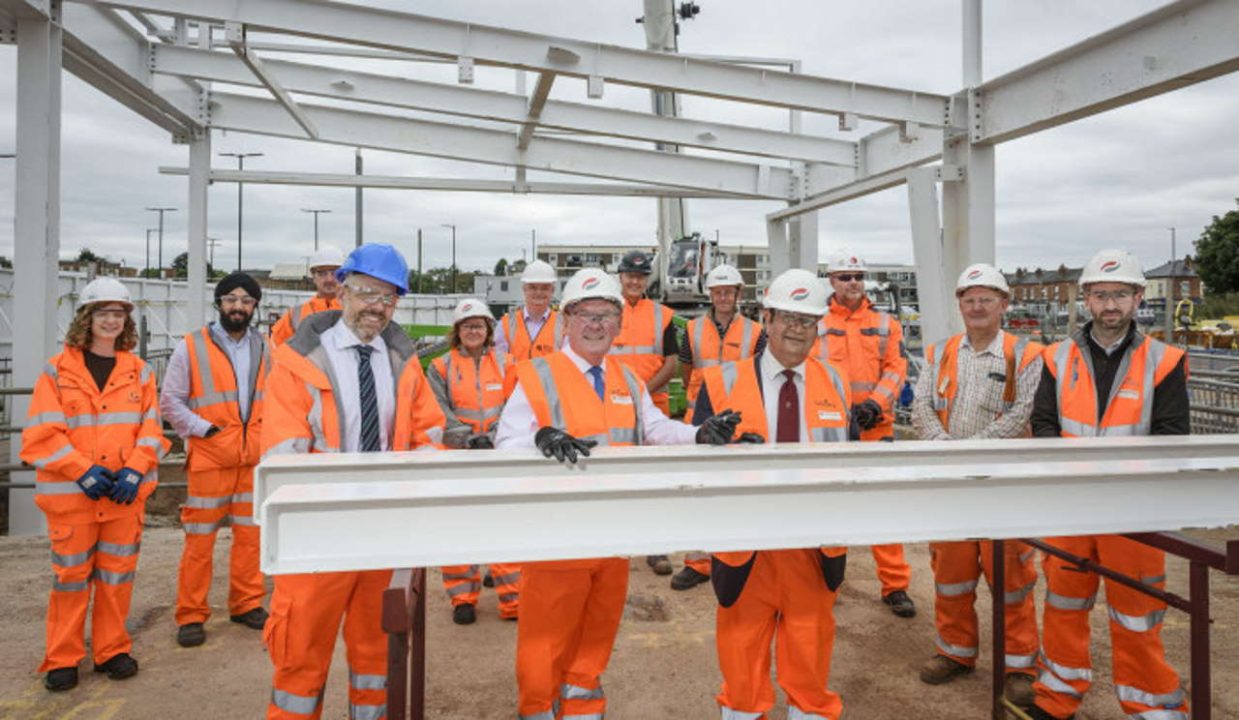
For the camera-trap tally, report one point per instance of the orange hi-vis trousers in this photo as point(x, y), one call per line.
point(958, 567)
point(698, 561)
point(784, 601)
point(215, 495)
point(570, 614)
point(893, 571)
point(463, 584)
point(301, 636)
point(100, 555)
point(1145, 683)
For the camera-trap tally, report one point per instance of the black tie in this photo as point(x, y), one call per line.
point(369, 401)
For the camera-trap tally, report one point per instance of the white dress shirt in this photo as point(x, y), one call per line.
point(174, 395)
point(532, 324)
point(340, 344)
point(518, 424)
point(772, 380)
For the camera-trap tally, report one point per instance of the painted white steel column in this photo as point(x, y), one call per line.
point(199, 176)
point(934, 287)
point(776, 243)
point(37, 239)
point(802, 241)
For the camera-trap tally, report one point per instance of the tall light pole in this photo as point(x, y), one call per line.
point(161, 211)
point(419, 261)
point(147, 270)
point(212, 242)
point(316, 214)
point(453, 227)
point(533, 245)
point(240, 166)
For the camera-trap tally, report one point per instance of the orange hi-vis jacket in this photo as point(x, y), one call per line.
point(286, 326)
point(213, 397)
point(307, 416)
point(561, 397)
point(73, 425)
point(709, 349)
point(736, 386)
point(869, 345)
point(640, 342)
point(1017, 351)
point(522, 347)
point(1130, 411)
point(475, 391)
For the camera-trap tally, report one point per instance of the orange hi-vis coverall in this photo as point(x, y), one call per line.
point(640, 343)
point(284, 328)
point(221, 478)
point(571, 609)
point(868, 344)
point(958, 566)
point(521, 346)
point(1147, 686)
point(301, 416)
point(471, 395)
point(72, 425)
point(784, 597)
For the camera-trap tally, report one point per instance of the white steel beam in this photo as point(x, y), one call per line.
point(235, 34)
point(392, 182)
point(419, 137)
point(391, 91)
point(511, 48)
point(357, 524)
point(537, 101)
point(199, 173)
point(1182, 43)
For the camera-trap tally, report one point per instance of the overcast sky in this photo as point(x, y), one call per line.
point(1120, 179)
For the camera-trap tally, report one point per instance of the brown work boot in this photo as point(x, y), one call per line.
point(1019, 689)
point(941, 669)
point(661, 564)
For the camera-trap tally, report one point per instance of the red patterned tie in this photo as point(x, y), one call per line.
point(789, 409)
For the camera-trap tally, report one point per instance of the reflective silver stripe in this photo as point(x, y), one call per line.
point(1027, 555)
point(1062, 358)
point(956, 650)
point(51, 371)
point(247, 497)
point(207, 503)
point(291, 446)
point(634, 391)
point(837, 434)
point(568, 691)
point(746, 339)
point(119, 549)
point(209, 396)
point(544, 715)
point(155, 443)
point(59, 454)
point(211, 399)
point(300, 704)
point(1138, 623)
point(74, 559)
point(1062, 602)
point(1015, 597)
point(727, 713)
point(622, 435)
point(145, 376)
point(1020, 661)
point(1018, 352)
point(586, 716)
point(70, 586)
point(367, 682)
point(111, 577)
point(955, 589)
point(201, 528)
point(631, 350)
point(1161, 715)
point(729, 378)
point(464, 589)
point(508, 579)
point(1127, 693)
point(467, 575)
point(1156, 353)
point(659, 329)
point(860, 386)
point(795, 713)
point(1067, 673)
point(47, 417)
point(1052, 682)
point(697, 328)
point(243, 521)
point(315, 418)
point(56, 488)
point(152, 414)
point(542, 368)
point(294, 317)
point(508, 597)
point(367, 712)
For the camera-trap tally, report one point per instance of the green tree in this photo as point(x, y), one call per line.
point(5, 262)
point(1217, 254)
point(180, 267)
point(501, 267)
point(85, 255)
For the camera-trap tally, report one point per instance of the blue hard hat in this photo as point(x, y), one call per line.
point(380, 261)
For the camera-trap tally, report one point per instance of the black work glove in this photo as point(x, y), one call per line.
point(718, 429)
point(560, 445)
point(480, 442)
point(211, 431)
point(868, 414)
point(751, 438)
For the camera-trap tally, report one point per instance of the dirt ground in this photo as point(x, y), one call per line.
point(661, 668)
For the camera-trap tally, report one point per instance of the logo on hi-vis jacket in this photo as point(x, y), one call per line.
point(1110, 266)
point(800, 294)
point(590, 284)
point(974, 274)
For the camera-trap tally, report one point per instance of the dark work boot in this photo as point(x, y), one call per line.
point(254, 619)
point(464, 614)
point(900, 603)
point(118, 667)
point(61, 679)
point(660, 563)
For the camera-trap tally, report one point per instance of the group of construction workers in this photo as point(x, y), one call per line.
point(822, 364)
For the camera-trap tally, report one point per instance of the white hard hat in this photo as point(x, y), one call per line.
point(327, 256)
point(538, 271)
point(469, 308)
point(105, 289)
point(797, 291)
point(723, 276)
point(844, 262)
point(1118, 266)
point(982, 275)
point(591, 283)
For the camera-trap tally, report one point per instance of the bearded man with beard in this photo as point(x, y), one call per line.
point(212, 396)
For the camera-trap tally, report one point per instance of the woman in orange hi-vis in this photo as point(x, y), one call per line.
point(94, 436)
point(469, 383)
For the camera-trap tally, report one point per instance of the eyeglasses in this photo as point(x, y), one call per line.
point(478, 327)
point(245, 300)
point(323, 272)
point(369, 296)
point(1118, 296)
point(984, 302)
point(849, 277)
point(796, 319)
point(109, 314)
point(597, 318)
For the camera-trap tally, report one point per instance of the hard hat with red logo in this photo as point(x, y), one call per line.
point(724, 276)
point(982, 275)
point(846, 261)
point(1117, 266)
point(538, 271)
point(798, 291)
point(471, 308)
point(591, 284)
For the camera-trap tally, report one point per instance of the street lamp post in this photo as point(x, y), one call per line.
point(161, 211)
point(453, 227)
point(212, 242)
point(316, 214)
point(240, 199)
point(146, 272)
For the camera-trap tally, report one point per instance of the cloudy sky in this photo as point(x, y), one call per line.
point(1120, 179)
